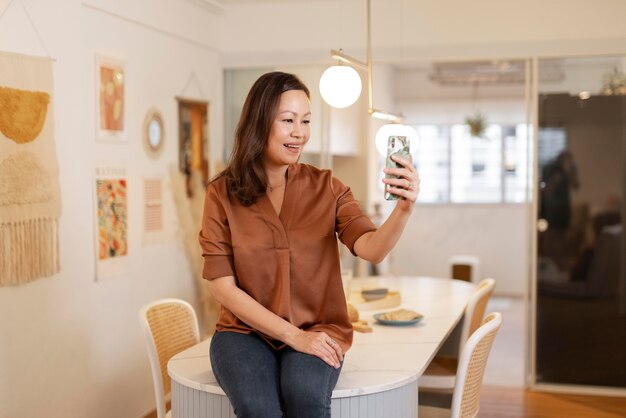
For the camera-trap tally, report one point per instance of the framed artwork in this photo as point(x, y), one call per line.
point(153, 223)
point(111, 206)
point(192, 140)
point(110, 99)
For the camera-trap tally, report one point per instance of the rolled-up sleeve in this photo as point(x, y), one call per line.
point(351, 223)
point(215, 237)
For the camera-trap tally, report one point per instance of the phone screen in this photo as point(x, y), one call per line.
point(396, 145)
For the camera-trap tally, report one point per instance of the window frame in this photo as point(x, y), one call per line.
point(446, 132)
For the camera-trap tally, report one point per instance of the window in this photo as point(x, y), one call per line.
point(455, 167)
point(432, 163)
point(475, 165)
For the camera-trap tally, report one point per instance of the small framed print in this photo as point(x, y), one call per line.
point(110, 99)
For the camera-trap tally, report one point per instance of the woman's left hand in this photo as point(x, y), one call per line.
point(407, 183)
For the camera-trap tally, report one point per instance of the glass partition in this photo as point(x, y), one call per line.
point(580, 334)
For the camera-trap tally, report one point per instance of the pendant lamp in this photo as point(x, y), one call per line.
point(332, 79)
point(340, 86)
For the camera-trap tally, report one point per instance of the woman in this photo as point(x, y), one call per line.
point(270, 254)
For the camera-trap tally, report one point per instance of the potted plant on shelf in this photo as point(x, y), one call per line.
point(614, 83)
point(477, 124)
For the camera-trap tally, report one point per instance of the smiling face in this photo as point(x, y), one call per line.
point(290, 130)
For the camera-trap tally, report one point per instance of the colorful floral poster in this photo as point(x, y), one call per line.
point(111, 195)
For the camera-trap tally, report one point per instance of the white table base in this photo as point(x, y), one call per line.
point(398, 403)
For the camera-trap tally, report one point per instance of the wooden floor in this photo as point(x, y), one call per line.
point(506, 368)
point(503, 402)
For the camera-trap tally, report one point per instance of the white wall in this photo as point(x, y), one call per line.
point(70, 346)
point(496, 234)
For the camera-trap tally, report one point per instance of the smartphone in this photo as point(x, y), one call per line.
point(396, 145)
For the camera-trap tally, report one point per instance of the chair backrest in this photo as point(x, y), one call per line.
point(475, 310)
point(170, 326)
point(472, 363)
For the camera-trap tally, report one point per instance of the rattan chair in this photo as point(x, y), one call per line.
point(440, 375)
point(469, 377)
point(170, 326)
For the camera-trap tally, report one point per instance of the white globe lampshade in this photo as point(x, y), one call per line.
point(395, 129)
point(340, 86)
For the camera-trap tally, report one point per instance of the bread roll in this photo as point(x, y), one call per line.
point(353, 313)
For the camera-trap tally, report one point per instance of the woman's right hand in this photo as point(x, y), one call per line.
point(318, 344)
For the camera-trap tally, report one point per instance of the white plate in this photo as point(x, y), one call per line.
point(398, 323)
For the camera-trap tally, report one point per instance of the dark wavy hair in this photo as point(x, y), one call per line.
point(245, 176)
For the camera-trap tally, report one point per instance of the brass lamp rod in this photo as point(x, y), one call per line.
point(379, 114)
point(370, 88)
point(347, 59)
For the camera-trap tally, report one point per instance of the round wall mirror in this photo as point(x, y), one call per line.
point(153, 133)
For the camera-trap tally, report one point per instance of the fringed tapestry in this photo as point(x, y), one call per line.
point(30, 198)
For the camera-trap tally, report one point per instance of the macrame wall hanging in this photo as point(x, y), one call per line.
point(30, 199)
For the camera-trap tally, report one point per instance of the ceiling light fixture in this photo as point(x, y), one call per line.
point(334, 86)
point(340, 86)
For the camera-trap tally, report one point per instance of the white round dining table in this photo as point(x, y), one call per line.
point(380, 374)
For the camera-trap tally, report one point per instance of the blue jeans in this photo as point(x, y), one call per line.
point(267, 383)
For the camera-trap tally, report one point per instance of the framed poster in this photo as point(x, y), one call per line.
point(153, 223)
point(193, 141)
point(111, 220)
point(110, 99)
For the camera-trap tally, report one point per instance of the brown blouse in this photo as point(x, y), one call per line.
point(288, 263)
